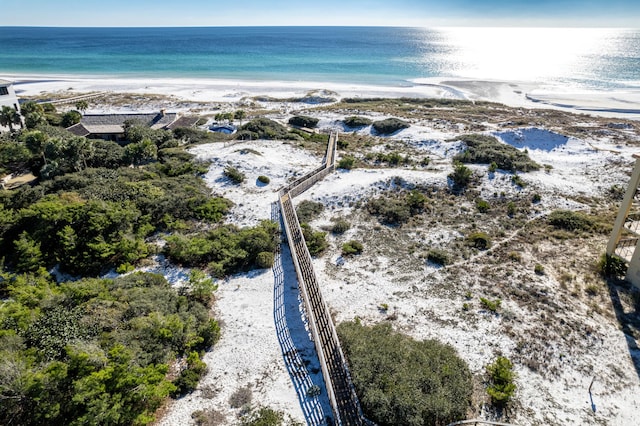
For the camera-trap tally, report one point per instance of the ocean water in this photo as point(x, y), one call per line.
point(582, 58)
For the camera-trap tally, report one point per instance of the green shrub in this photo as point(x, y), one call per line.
point(501, 381)
point(342, 144)
point(611, 266)
point(201, 286)
point(308, 210)
point(224, 250)
point(570, 220)
point(416, 201)
point(262, 128)
point(483, 149)
point(511, 209)
point(398, 209)
point(264, 417)
point(538, 269)
point(438, 256)
point(491, 305)
point(392, 158)
point(70, 118)
point(401, 381)
point(188, 379)
point(536, 198)
point(235, 175)
point(517, 180)
point(461, 176)
point(303, 121)
point(347, 162)
point(265, 259)
point(352, 247)
point(483, 206)
point(355, 122)
point(389, 126)
point(390, 211)
point(493, 167)
point(479, 240)
point(194, 136)
point(515, 256)
point(340, 226)
point(316, 240)
point(264, 179)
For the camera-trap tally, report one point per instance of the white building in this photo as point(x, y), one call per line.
point(8, 95)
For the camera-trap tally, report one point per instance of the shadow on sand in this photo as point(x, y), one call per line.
point(297, 347)
point(626, 305)
point(533, 138)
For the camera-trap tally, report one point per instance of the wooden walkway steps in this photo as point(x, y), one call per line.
point(342, 396)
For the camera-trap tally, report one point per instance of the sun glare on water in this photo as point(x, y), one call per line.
point(524, 54)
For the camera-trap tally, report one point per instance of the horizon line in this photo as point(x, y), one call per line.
point(325, 26)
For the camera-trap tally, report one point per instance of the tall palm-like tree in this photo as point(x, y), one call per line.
point(239, 115)
point(9, 116)
point(82, 106)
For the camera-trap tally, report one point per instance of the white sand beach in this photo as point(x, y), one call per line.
point(604, 103)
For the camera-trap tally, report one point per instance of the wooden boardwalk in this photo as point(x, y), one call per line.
point(342, 395)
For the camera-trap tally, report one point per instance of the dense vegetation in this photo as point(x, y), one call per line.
point(352, 247)
point(401, 381)
point(389, 126)
point(396, 209)
point(316, 240)
point(570, 220)
point(226, 249)
point(98, 219)
point(103, 351)
point(356, 122)
point(263, 128)
point(347, 162)
point(308, 210)
point(483, 149)
point(94, 214)
point(304, 121)
point(95, 351)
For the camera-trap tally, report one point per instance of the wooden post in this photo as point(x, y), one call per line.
point(633, 271)
point(625, 207)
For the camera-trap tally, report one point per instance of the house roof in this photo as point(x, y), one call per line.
point(183, 122)
point(79, 130)
point(114, 123)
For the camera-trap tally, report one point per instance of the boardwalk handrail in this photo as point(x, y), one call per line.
point(74, 98)
point(340, 389)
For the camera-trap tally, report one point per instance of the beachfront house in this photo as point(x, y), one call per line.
point(111, 126)
point(8, 95)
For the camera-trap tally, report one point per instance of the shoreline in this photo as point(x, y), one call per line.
point(618, 103)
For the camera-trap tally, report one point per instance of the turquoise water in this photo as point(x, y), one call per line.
point(588, 58)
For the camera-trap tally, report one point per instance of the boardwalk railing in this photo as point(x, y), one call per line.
point(75, 98)
point(340, 390)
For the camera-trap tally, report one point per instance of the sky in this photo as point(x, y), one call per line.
point(414, 13)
